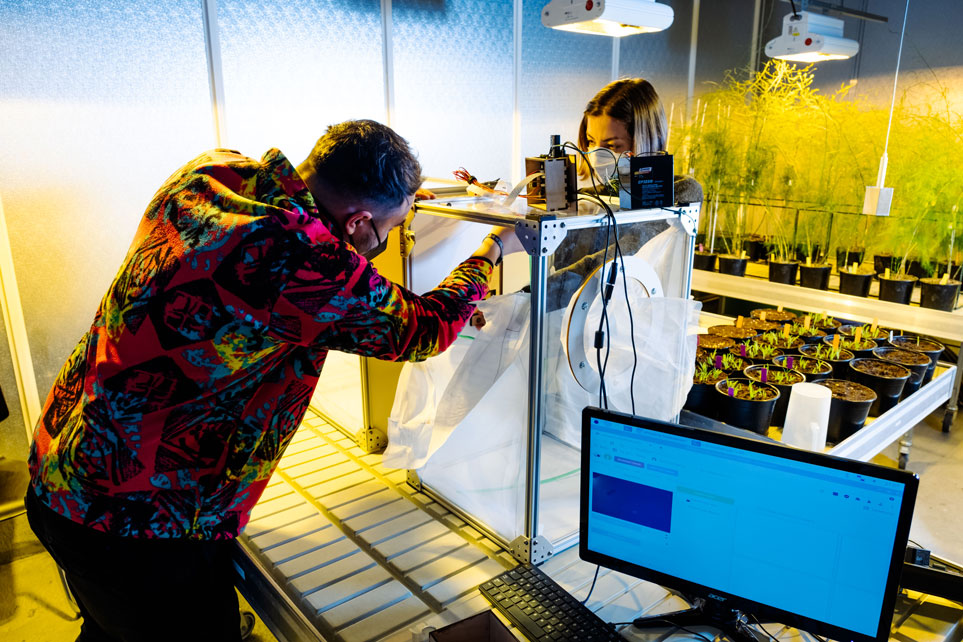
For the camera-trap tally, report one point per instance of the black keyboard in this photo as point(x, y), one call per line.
point(542, 609)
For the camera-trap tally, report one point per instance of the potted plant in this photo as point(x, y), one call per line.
point(727, 362)
point(825, 322)
point(747, 404)
point(782, 266)
point(703, 383)
point(885, 378)
point(861, 348)
point(759, 325)
point(929, 347)
point(772, 314)
point(896, 287)
point(846, 231)
point(783, 378)
point(756, 352)
point(916, 362)
point(880, 333)
point(855, 281)
point(813, 369)
point(732, 332)
point(788, 344)
point(813, 270)
point(703, 260)
point(838, 358)
point(848, 409)
point(812, 334)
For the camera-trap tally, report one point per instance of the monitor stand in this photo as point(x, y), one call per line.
point(704, 613)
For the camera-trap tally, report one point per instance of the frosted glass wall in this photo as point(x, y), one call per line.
point(293, 67)
point(99, 102)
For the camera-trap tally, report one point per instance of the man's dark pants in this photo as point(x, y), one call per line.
point(135, 589)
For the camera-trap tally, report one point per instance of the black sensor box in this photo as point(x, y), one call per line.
point(648, 183)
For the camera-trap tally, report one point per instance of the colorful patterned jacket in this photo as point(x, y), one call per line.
point(171, 413)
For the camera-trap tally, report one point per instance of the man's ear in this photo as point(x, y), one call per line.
point(354, 219)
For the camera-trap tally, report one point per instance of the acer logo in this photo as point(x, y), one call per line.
point(717, 598)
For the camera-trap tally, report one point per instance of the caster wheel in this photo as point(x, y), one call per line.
point(903, 460)
point(948, 418)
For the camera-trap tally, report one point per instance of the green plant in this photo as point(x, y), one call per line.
point(828, 352)
point(731, 362)
point(707, 373)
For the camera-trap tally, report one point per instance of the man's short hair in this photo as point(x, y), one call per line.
point(367, 160)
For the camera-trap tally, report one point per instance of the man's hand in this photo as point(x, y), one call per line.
point(424, 194)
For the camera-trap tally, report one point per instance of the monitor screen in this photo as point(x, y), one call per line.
point(810, 540)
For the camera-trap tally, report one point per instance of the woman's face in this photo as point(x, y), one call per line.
point(605, 131)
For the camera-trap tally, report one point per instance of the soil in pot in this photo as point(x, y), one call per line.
point(783, 271)
point(855, 283)
point(815, 276)
point(848, 409)
point(704, 261)
point(864, 348)
point(839, 359)
point(939, 296)
point(812, 369)
point(784, 379)
point(846, 258)
point(756, 352)
point(772, 314)
point(731, 331)
point(917, 362)
point(746, 404)
point(898, 288)
point(825, 322)
point(759, 325)
point(701, 398)
point(714, 343)
point(929, 347)
point(885, 378)
point(732, 264)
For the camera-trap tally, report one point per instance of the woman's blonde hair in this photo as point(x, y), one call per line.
point(635, 103)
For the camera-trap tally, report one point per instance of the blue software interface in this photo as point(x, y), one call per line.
point(804, 538)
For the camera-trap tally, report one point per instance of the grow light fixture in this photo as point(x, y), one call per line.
point(811, 37)
point(607, 17)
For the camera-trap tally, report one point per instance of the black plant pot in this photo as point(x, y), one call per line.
point(782, 403)
point(791, 362)
point(840, 366)
point(882, 262)
point(755, 248)
point(915, 268)
point(815, 276)
point(732, 264)
point(939, 297)
point(888, 387)
point(702, 400)
point(783, 271)
point(917, 362)
point(704, 261)
point(855, 283)
point(845, 258)
point(943, 267)
point(746, 413)
point(846, 416)
point(929, 347)
point(898, 288)
point(816, 336)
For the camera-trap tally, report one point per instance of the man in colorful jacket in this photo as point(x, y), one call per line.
point(169, 417)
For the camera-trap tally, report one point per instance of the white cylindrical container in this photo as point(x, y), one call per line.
point(807, 416)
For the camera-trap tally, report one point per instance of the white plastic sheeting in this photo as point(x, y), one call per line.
point(460, 418)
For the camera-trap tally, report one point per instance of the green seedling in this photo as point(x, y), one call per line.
point(706, 373)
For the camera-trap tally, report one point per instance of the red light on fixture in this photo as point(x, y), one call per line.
point(588, 5)
point(809, 41)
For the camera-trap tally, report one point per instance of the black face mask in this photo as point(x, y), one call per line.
point(378, 249)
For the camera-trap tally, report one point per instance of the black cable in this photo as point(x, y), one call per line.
point(793, 3)
point(592, 588)
point(916, 544)
point(674, 627)
point(759, 624)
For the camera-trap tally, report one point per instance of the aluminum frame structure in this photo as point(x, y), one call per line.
point(541, 233)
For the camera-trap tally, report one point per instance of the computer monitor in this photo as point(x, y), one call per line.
point(751, 527)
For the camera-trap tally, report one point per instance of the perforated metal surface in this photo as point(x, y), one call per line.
point(293, 67)
point(453, 84)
